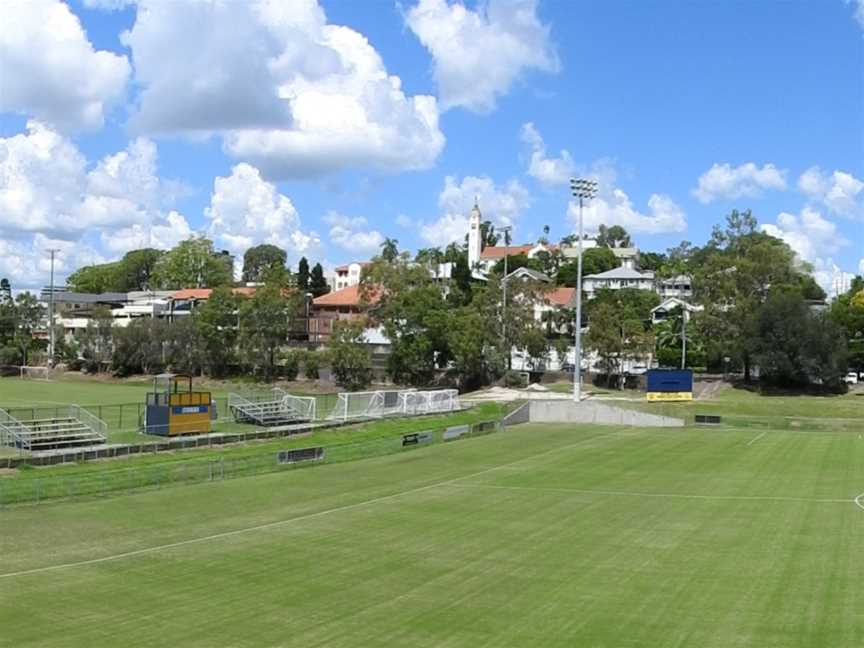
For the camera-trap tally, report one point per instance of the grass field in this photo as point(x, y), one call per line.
point(537, 536)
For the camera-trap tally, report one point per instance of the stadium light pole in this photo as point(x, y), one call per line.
point(583, 189)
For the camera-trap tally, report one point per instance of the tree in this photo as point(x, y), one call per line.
point(135, 270)
point(615, 236)
point(430, 256)
point(5, 291)
point(461, 293)
point(488, 236)
point(413, 312)
point(847, 311)
point(97, 340)
point(193, 263)
point(390, 250)
point(349, 354)
point(594, 261)
point(474, 343)
point(737, 270)
point(652, 261)
point(264, 262)
point(96, 278)
point(793, 346)
point(264, 327)
point(303, 274)
point(317, 282)
point(216, 327)
point(516, 261)
point(22, 318)
point(138, 347)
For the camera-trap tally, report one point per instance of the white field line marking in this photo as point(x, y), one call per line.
point(300, 518)
point(755, 439)
point(588, 491)
point(859, 501)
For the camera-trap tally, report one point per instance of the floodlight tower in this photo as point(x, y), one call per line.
point(506, 231)
point(583, 189)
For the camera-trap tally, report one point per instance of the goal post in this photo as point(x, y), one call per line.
point(425, 402)
point(34, 373)
point(368, 404)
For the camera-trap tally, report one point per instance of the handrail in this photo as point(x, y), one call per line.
point(11, 432)
point(94, 422)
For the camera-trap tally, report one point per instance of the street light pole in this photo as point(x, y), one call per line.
point(582, 189)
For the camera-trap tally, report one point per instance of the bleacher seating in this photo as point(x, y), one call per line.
point(58, 432)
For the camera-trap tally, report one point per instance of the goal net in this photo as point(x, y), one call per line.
point(425, 402)
point(35, 373)
point(302, 407)
point(371, 404)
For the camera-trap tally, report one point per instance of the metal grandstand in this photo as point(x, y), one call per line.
point(69, 426)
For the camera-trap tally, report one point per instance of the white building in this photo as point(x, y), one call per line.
point(348, 275)
point(616, 279)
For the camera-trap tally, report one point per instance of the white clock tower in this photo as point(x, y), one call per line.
point(474, 236)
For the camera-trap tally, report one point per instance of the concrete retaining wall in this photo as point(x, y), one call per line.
point(560, 411)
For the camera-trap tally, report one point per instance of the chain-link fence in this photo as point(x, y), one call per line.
point(35, 489)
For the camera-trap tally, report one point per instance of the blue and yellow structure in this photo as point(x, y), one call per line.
point(174, 408)
point(664, 385)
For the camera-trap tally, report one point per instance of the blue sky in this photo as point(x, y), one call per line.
point(284, 125)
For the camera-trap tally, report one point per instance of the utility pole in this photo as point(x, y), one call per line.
point(51, 340)
point(582, 189)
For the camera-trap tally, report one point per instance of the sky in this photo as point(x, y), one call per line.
point(324, 127)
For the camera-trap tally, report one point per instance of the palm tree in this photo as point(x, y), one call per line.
point(389, 250)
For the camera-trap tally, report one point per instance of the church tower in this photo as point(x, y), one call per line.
point(474, 236)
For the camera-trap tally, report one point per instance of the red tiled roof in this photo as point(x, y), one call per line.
point(498, 251)
point(349, 296)
point(562, 296)
point(204, 293)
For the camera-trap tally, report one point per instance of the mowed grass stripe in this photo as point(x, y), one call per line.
point(318, 511)
point(454, 566)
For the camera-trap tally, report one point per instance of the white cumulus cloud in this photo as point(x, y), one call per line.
point(478, 55)
point(550, 171)
point(50, 70)
point(723, 181)
point(289, 92)
point(502, 205)
point(809, 234)
point(352, 233)
point(613, 206)
point(49, 199)
point(246, 210)
point(841, 192)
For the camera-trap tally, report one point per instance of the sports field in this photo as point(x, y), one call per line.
point(536, 536)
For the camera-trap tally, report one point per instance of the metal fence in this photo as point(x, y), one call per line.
point(101, 483)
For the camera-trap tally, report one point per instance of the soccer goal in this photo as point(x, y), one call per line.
point(35, 373)
point(303, 407)
point(370, 404)
point(425, 402)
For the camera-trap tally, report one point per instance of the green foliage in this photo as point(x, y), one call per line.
point(138, 347)
point(194, 263)
point(133, 272)
point(594, 261)
point(349, 355)
point(615, 236)
point(847, 311)
point(312, 364)
point(415, 316)
point(182, 347)
point(390, 250)
point(303, 274)
point(264, 326)
point(488, 235)
point(290, 364)
point(97, 340)
point(793, 346)
point(265, 262)
point(516, 261)
point(95, 279)
point(317, 282)
point(216, 329)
